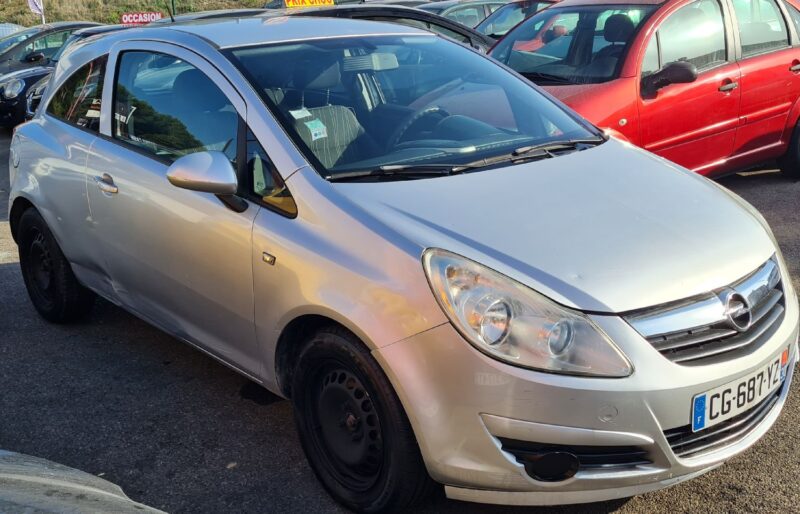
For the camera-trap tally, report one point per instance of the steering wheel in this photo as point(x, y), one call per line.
point(400, 131)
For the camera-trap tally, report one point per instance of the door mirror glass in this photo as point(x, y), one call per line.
point(678, 72)
point(207, 172)
point(34, 57)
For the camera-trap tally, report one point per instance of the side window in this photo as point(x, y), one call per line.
point(78, 99)
point(650, 62)
point(694, 33)
point(266, 183)
point(761, 26)
point(48, 45)
point(794, 14)
point(469, 16)
point(169, 108)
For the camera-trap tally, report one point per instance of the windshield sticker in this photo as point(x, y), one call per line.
point(318, 130)
point(300, 113)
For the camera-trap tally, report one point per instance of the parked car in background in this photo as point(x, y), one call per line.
point(711, 85)
point(34, 96)
point(380, 224)
point(403, 15)
point(207, 15)
point(35, 46)
point(9, 28)
point(14, 86)
point(507, 16)
point(467, 12)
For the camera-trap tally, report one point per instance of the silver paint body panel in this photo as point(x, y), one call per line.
point(606, 230)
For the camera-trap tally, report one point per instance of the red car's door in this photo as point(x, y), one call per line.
point(770, 82)
point(692, 124)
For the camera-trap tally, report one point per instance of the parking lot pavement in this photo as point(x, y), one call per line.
point(180, 432)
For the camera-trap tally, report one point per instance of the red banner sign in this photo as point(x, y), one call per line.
point(139, 18)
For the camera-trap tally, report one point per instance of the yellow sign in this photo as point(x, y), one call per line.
point(307, 3)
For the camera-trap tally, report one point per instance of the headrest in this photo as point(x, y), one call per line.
point(554, 32)
point(193, 87)
point(316, 75)
point(618, 28)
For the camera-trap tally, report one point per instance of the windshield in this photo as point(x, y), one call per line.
point(572, 45)
point(506, 17)
point(12, 39)
point(361, 103)
point(69, 41)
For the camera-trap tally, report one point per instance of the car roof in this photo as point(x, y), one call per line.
point(567, 3)
point(444, 4)
point(66, 24)
point(364, 8)
point(202, 15)
point(99, 29)
point(266, 29)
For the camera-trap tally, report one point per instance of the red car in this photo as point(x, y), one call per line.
point(712, 85)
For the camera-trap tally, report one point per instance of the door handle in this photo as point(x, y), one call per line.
point(106, 184)
point(795, 67)
point(730, 86)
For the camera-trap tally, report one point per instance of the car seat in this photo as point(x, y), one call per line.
point(332, 132)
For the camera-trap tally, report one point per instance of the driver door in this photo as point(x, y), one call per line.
point(692, 124)
point(180, 259)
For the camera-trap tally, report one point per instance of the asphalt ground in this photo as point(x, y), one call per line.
point(180, 432)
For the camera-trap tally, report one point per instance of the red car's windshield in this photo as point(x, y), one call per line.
point(572, 45)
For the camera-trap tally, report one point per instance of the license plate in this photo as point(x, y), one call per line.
point(726, 401)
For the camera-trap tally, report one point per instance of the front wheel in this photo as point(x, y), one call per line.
point(353, 428)
point(48, 277)
point(790, 162)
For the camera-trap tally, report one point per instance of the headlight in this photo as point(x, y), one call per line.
point(513, 323)
point(12, 88)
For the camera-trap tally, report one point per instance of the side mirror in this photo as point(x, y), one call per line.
point(678, 72)
point(207, 172)
point(34, 57)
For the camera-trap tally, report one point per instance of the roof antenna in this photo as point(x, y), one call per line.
point(171, 17)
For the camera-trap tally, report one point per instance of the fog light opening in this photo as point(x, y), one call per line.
point(552, 466)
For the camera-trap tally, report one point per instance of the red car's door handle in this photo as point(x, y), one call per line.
point(730, 86)
point(795, 66)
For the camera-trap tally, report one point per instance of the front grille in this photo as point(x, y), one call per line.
point(590, 457)
point(698, 331)
point(685, 443)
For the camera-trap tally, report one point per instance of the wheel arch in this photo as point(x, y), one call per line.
point(291, 341)
point(19, 206)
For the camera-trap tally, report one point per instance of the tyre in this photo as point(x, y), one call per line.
point(790, 162)
point(353, 428)
point(51, 285)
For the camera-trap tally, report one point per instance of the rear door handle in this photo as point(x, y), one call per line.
point(730, 86)
point(106, 184)
point(795, 66)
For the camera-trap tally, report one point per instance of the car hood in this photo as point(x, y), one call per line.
point(608, 229)
point(567, 92)
point(27, 72)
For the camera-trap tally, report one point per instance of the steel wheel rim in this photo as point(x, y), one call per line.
point(346, 428)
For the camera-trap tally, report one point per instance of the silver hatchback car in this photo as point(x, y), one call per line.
point(453, 277)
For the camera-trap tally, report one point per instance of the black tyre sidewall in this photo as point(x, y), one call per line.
point(68, 300)
point(401, 452)
point(790, 162)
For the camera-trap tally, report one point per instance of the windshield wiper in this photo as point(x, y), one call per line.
point(545, 77)
point(397, 170)
point(532, 152)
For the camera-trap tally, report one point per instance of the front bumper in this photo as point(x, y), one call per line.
point(12, 112)
point(463, 405)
